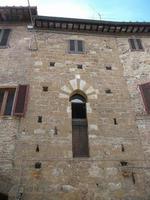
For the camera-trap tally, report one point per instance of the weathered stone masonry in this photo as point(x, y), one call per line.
point(117, 168)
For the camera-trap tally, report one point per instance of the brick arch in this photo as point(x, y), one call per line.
point(79, 85)
point(79, 92)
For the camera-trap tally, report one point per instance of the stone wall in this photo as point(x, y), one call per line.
point(100, 177)
point(14, 63)
point(136, 65)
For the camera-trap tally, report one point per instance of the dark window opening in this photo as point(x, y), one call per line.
point(80, 144)
point(37, 148)
point(38, 165)
point(78, 111)
point(133, 177)
point(9, 102)
point(123, 163)
point(45, 89)
point(135, 44)
point(52, 64)
point(78, 104)
point(80, 66)
point(122, 148)
point(115, 121)
point(39, 119)
point(108, 91)
point(80, 45)
point(4, 34)
point(139, 44)
point(132, 44)
point(108, 67)
point(55, 131)
point(76, 46)
point(3, 196)
point(6, 100)
point(72, 45)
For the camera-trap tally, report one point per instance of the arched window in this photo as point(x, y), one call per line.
point(80, 145)
point(78, 103)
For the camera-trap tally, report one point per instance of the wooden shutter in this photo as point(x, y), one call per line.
point(4, 39)
point(145, 91)
point(80, 145)
point(21, 100)
point(139, 44)
point(72, 45)
point(132, 44)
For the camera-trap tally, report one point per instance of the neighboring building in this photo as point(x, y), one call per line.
point(74, 104)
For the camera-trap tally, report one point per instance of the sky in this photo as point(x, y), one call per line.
point(111, 10)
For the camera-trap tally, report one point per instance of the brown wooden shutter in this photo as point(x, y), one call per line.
point(80, 145)
point(132, 44)
point(5, 36)
point(145, 91)
point(139, 44)
point(21, 100)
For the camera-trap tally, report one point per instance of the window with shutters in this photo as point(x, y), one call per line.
point(6, 100)
point(80, 145)
point(76, 46)
point(13, 100)
point(145, 91)
point(136, 44)
point(4, 35)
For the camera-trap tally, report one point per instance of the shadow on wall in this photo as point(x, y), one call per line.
point(5, 186)
point(3, 196)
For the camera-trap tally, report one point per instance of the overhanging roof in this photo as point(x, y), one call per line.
point(16, 13)
point(86, 25)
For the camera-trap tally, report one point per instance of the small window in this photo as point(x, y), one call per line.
point(6, 100)
point(108, 67)
point(38, 165)
point(52, 64)
point(145, 91)
point(13, 101)
point(108, 91)
point(45, 89)
point(76, 46)
point(135, 44)
point(39, 119)
point(4, 34)
point(80, 66)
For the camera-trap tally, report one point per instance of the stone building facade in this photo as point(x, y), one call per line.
point(73, 124)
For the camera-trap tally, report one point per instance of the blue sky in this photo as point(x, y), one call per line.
point(114, 10)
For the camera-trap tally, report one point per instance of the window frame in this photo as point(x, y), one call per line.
point(145, 103)
point(80, 138)
point(20, 100)
point(5, 97)
point(76, 51)
point(2, 32)
point(134, 39)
